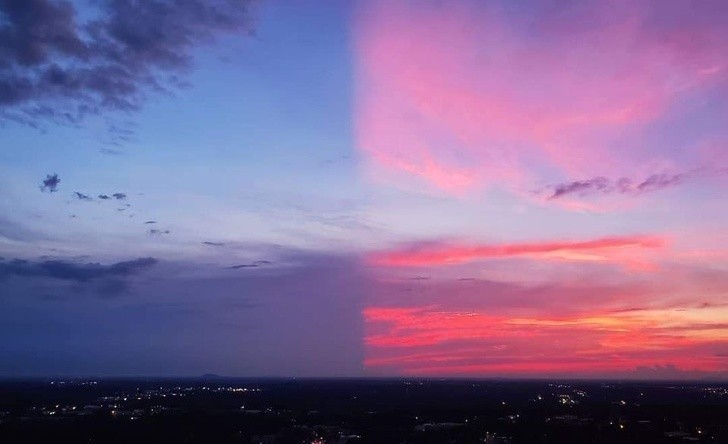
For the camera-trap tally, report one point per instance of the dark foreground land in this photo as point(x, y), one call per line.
point(211, 410)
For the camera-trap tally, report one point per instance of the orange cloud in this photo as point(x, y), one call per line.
point(591, 250)
point(432, 341)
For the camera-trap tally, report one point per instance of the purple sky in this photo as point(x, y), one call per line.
point(364, 188)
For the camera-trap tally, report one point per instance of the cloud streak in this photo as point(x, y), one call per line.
point(447, 254)
point(432, 341)
point(624, 185)
point(251, 265)
point(79, 272)
point(494, 328)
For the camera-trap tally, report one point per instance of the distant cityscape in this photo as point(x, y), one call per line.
point(217, 409)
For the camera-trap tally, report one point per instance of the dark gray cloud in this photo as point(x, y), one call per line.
point(81, 196)
point(50, 183)
point(624, 185)
point(595, 185)
point(151, 222)
point(156, 232)
point(236, 267)
point(79, 272)
point(251, 265)
point(660, 181)
point(214, 244)
point(117, 196)
point(54, 67)
point(55, 279)
point(208, 309)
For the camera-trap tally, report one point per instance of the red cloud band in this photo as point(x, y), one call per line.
point(453, 254)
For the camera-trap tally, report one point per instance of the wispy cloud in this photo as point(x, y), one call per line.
point(236, 267)
point(250, 265)
point(443, 253)
point(81, 196)
point(602, 185)
point(433, 340)
point(472, 95)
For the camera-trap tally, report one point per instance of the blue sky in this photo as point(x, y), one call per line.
point(331, 188)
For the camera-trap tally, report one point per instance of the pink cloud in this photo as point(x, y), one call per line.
point(431, 341)
point(603, 249)
point(581, 324)
point(462, 95)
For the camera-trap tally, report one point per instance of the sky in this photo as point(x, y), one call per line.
point(372, 188)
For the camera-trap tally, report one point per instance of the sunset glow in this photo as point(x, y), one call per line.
point(499, 188)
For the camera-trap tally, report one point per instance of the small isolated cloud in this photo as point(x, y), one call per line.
point(214, 244)
point(250, 265)
point(50, 183)
point(235, 267)
point(104, 197)
point(119, 196)
point(110, 152)
point(156, 232)
point(81, 196)
point(150, 222)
